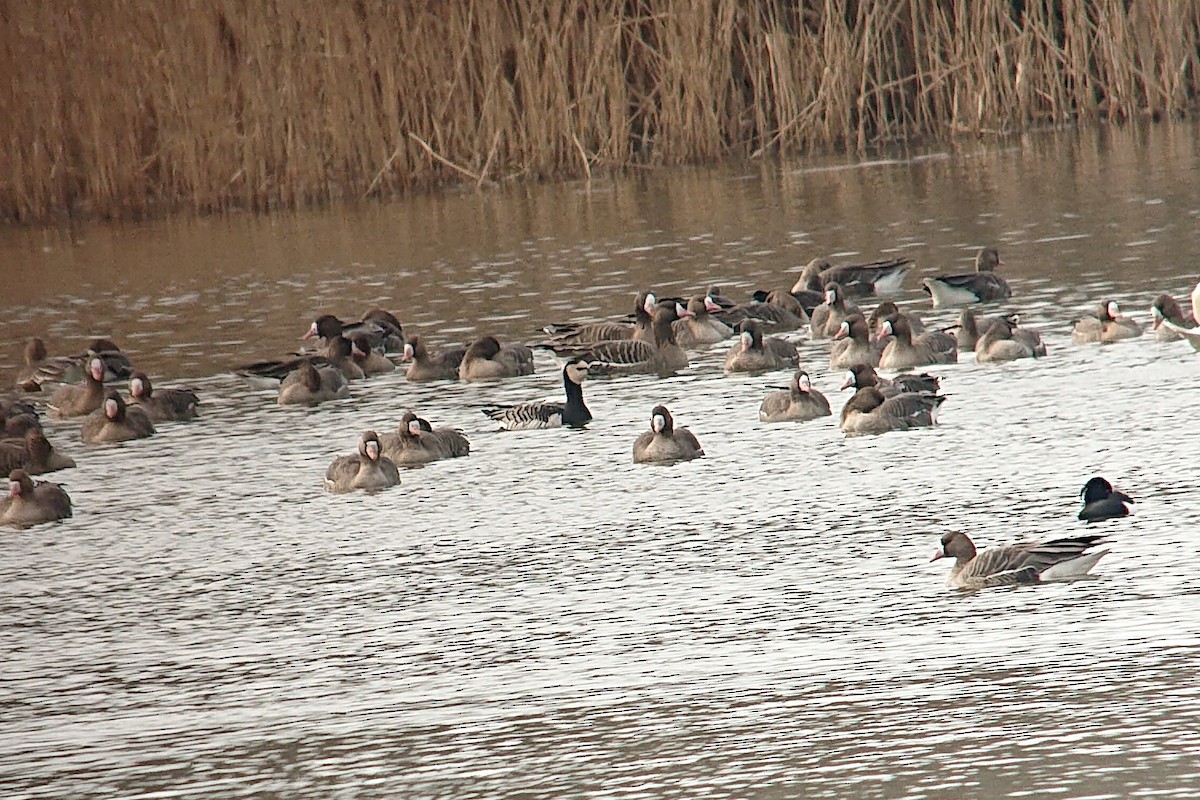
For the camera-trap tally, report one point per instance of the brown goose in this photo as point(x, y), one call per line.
point(1004, 341)
point(33, 374)
point(30, 503)
point(856, 280)
point(369, 469)
point(860, 376)
point(1165, 308)
point(629, 356)
point(981, 286)
point(827, 318)
point(162, 405)
point(368, 359)
point(905, 352)
point(776, 312)
point(852, 344)
point(77, 401)
point(487, 359)
point(1108, 325)
point(664, 443)
point(886, 309)
point(32, 453)
point(1191, 334)
point(439, 365)
point(116, 422)
point(701, 327)
point(309, 385)
point(381, 328)
point(868, 411)
point(754, 353)
point(1017, 564)
point(970, 327)
point(579, 333)
point(415, 443)
point(797, 403)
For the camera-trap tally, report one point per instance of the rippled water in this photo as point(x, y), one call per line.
point(546, 619)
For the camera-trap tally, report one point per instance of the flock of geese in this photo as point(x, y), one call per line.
point(654, 340)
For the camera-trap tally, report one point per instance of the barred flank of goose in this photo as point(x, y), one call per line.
point(547, 413)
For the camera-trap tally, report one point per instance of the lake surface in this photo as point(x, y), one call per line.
point(544, 619)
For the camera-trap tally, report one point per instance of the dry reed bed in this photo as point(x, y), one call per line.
point(119, 110)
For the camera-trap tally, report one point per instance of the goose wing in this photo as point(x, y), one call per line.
point(528, 416)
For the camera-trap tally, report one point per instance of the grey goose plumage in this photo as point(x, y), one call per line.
point(1107, 325)
point(487, 359)
point(28, 503)
point(799, 402)
point(1017, 564)
point(869, 412)
point(906, 351)
point(757, 353)
point(116, 422)
point(983, 285)
point(417, 442)
point(826, 319)
point(852, 344)
point(368, 469)
point(664, 443)
point(162, 405)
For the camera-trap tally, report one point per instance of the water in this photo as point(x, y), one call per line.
point(545, 619)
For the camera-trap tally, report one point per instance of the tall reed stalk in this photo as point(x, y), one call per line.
point(117, 110)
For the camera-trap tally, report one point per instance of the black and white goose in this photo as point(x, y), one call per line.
point(1101, 501)
point(981, 286)
point(1017, 564)
point(549, 413)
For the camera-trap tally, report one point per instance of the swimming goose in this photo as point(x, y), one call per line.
point(368, 469)
point(1165, 308)
point(852, 344)
point(548, 413)
point(754, 353)
point(701, 327)
point(76, 401)
point(417, 442)
point(807, 299)
point(1101, 501)
point(338, 354)
point(969, 327)
point(436, 366)
point(162, 405)
point(1190, 333)
point(981, 286)
point(487, 359)
point(798, 403)
point(888, 308)
point(1108, 325)
point(16, 418)
point(1004, 341)
point(1017, 564)
point(309, 385)
point(664, 443)
point(30, 503)
point(116, 422)
point(379, 326)
point(567, 333)
point(868, 411)
point(780, 312)
point(827, 318)
point(32, 453)
point(629, 356)
point(856, 280)
point(863, 375)
point(905, 352)
point(369, 360)
point(33, 374)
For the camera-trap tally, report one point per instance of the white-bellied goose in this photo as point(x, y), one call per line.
point(827, 318)
point(162, 405)
point(309, 385)
point(1101, 501)
point(906, 352)
point(1017, 564)
point(631, 357)
point(116, 422)
point(368, 359)
point(881, 277)
point(701, 327)
point(664, 443)
point(1004, 341)
point(438, 365)
point(756, 353)
point(32, 453)
point(368, 469)
point(486, 359)
point(797, 403)
point(981, 286)
point(549, 413)
point(868, 411)
point(417, 442)
point(859, 376)
point(76, 401)
point(1166, 309)
point(30, 503)
point(1108, 325)
point(852, 344)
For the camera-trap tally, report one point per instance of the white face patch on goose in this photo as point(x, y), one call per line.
point(312, 332)
point(136, 387)
point(658, 422)
point(804, 383)
point(414, 427)
point(850, 379)
point(97, 367)
point(651, 302)
point(14, 488)
point(830, 296)
point(110, 409)
point(372, 449)
point(747, 340)
point(408, 352)
point(1114, 310)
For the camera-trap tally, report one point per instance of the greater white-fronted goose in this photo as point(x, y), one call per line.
point(1101, 501)
point(581, 333)
point(756, 353)
point(368, 469)
point(777, 313)
point(859, 376)
point(852, 344)
point(887, 309)
point(417, 442)
point(970, 326)
point(1166, 309)
point(807, 299)
point(162, 405)
point(116, 422)
point(369, 360)
point(549, 413)
point(77, 401)
point(32, 453)
point(31, 376)
point(380, 327)
point(1108, 325)
point(486, 359)
point(1004, 341)
point(701, 327)
point(664, 443)
point(882, 277)
point(338, 354)
point(632, 357)
point(309, 385)
point(799, 402)
point(439, 365)
point(905, 352)
point(827, 318)
point(16, 418)
point(30, 503)
point(868, 411)
point(1017, 564)
point(981, 286)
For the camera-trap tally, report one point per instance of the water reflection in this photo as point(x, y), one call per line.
point(545, 618)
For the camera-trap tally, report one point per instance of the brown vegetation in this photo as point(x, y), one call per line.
point(119, 108)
